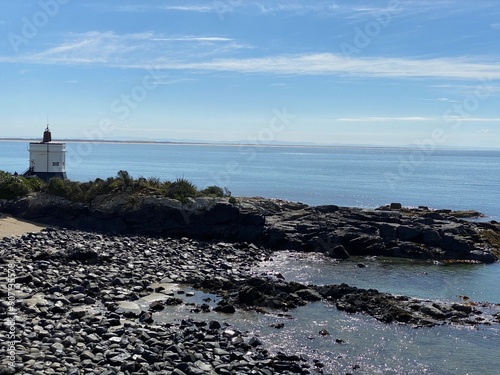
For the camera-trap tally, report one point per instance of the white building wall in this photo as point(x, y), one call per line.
point(48, 157)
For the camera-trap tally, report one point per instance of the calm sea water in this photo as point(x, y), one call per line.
point(343, 176)
point(349, 177)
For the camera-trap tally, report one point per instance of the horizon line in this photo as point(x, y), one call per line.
point(244, 143)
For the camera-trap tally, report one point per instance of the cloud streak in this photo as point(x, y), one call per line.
point(387, 119)
point(332, 64)
point(202, 53)
point(375, 119)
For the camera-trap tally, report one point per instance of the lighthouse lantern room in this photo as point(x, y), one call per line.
point(47, 158)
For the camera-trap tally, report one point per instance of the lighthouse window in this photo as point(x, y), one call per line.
point(55, 164)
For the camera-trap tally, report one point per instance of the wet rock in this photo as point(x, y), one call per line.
point(309, 294)
point(173, 301)
point(157, 306)
point(249, 295)
point(145, 317)
point(433, 312)
point(225, 307)
point(462, 308)
point(338, 252)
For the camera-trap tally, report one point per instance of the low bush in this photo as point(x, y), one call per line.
point(13, 186)
point(212, 191)
point(181, 189)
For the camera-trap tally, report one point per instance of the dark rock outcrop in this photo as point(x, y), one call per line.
point(339, 232)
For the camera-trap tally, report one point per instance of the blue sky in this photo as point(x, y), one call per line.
point(391, 72)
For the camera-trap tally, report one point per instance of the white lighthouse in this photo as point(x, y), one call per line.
point(47, 158)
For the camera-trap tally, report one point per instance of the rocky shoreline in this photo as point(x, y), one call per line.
point(70, 314)
point(340, 232)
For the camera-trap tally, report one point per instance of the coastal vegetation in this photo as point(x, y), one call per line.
point(13, 186)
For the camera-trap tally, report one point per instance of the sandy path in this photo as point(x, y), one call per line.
point(10, 226)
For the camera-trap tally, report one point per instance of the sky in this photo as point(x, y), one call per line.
point(365, 72)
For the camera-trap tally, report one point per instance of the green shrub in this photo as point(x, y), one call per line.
point(19, 187)
point(154, 182)
point(14, 186)
point(125, 178)
point(35, 183)
point(212, 191)
point(181, 190)
point(56, 186)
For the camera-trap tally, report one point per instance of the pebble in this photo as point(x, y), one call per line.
point(79, 329)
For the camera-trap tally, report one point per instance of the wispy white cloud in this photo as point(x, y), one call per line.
point(417, 119)
point(127, 50)
point(387, 119)
point(192, 8)
point(483, 131)
point(332, 64)
point(192, 39)
point(479, 119)
point(443, 100)
point(217, 53)
point(227, 6)
point(495, 25)
point(135, 8)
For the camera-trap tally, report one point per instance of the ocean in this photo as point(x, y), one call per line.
point(346, 176)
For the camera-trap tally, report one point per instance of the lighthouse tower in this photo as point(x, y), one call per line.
point(47, 158)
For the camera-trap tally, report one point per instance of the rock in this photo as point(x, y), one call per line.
point(482, 256)
point(214, 325)
point(77, 314)
point(81, 254)
point(59, 337)
point(24, 279)
point(145, 317)
point(87, 354)
point(388, 231)
point(173, 301)
point(272, 223)
point(338, 252)
point(157, 306)
point(462, 308)
point(409, 233)
point(7, 370)
point(225, 307)
point(249, 295)
point(309, 294)
point(433, 312)
point(254, 342)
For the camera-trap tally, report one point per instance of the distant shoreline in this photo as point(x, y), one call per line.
point(235, 144)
